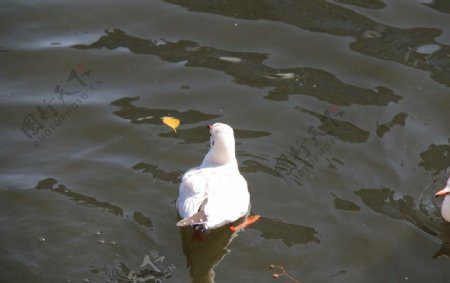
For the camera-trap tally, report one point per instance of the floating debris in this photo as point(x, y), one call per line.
point(283, 273)
point(281, 76)
point(144, 118)
point(370, 33)
point(376, 32)
point(230, 59)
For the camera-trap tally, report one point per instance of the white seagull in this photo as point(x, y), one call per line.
point(445, 208)
point(215, 193)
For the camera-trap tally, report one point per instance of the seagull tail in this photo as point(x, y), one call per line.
point(198, 218)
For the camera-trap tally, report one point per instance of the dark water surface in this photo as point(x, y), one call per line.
point(341, 113)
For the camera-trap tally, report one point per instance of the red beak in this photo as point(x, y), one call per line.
point(442, 193)
point(209, 127)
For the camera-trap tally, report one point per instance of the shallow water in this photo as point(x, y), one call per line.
point(340, 110)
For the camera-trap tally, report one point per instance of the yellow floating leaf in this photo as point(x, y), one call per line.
point(171, 122)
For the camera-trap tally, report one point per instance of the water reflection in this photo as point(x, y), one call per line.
point(423, 213)
point(199, 135)
point(300, 159)
point(436, 158)
point(370, 38)
point(340, 129)
point(438, 5)
point(52, 185)
point(289, 234)
point(253, 166)
point(343, 204)
point(399, 119)
point(173, 176)
point(249, 166)
point(370, 4)
point(122, 273)
point(250, 70)
point(204, 252)
point(142, 115)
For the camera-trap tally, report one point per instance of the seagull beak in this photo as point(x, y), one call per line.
point(209, 127)
point(442, 193)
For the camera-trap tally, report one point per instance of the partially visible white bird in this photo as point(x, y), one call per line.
point(445, 208)
point(215, 193)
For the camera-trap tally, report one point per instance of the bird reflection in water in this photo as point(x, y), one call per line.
point(205, 251)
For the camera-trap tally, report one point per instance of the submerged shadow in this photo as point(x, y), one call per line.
point(248, 68)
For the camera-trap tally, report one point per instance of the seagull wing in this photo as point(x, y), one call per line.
point(193, 193)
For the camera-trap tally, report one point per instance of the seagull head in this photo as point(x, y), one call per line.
point(222, 146)
point(445, 191)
